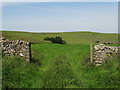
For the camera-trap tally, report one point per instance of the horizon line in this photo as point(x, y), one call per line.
point(58, 31)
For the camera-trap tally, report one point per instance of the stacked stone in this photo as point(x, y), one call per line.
point(101, 52)
point(16, 48)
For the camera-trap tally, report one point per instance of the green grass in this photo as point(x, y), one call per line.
point(69, 37)
point(59, 66)
point(17, 73)
point(112, 44)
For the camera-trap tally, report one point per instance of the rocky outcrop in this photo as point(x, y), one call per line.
point(101, 52)
point(16, 48)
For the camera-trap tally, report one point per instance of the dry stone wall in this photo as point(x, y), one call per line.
point(101, 52)
point(16, 48)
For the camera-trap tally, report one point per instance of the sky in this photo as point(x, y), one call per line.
point(60, 0)
point(60, 16)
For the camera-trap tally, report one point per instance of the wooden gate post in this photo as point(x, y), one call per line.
point(91, 53)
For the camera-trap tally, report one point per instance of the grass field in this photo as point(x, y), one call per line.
point(60, 66)
point(69, 37)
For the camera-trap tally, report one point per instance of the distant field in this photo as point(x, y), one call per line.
point(69, 37)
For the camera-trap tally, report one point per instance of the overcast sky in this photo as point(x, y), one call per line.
point(60, 16)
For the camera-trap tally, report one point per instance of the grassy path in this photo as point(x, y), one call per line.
point(61, 66)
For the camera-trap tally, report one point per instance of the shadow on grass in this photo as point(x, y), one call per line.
point(35, 62)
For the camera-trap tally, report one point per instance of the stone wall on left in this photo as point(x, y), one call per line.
point(16, 48)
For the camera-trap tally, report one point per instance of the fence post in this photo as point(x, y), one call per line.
point(91, 53)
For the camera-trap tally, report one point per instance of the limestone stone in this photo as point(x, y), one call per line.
point(16, 47)
point(101, 52)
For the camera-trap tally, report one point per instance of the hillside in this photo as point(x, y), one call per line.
point(69, 37)
point(59, 65)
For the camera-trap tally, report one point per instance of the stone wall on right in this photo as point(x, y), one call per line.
point(101, 52)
